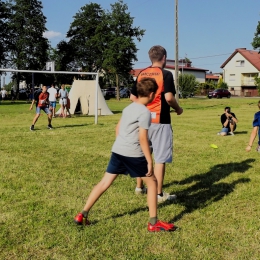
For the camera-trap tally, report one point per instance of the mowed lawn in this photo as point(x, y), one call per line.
point(46, 176)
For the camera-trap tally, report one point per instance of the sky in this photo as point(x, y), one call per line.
point(209, 30)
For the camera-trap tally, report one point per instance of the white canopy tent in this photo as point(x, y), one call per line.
point(84, 92)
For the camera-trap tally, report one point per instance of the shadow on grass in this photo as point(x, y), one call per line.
point(205, 191)
point(116, 111)
point(9, 103)
point(241, 132)
point(68, 126)
point(207, 188)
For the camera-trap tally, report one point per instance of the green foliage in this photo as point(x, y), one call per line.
point(8, 86)
point(221, 84)
point(257, 83)
point(121, 49)
point(256, 39)
point(101, 41)
point(5, 13)
point(86, 40)
point(187, 84)
point(204, 88)
point(28, 47)
point(63, 57)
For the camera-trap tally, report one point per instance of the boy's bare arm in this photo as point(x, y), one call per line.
point(143, 138)
point(117, 127)
point(252, 138)
point(33, 101)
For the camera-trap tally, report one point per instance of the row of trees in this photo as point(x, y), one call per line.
point(97, 40)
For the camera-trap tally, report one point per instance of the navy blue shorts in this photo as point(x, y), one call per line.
point(134, 166)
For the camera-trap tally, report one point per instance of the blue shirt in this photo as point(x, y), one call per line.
point(256, 121)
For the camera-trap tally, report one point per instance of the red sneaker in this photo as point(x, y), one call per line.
point(80, 220)
point(161, 226)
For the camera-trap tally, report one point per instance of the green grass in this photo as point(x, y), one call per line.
point(47, 175)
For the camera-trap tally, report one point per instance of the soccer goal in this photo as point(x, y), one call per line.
point(65, 72)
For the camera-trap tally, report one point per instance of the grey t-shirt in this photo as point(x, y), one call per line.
point(63, 93)
point(127, 142)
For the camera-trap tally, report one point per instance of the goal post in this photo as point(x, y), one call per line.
point(64, 72)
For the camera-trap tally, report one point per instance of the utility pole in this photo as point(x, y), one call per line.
point(176, 52)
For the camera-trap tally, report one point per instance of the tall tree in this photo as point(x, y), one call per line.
point(101, 41)
point(63, 56)
point(84, 39)
point(29, 49)
point(256, 40)
point(5, 13)
point(120, 51)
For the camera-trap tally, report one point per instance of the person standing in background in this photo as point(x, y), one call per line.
point(52, 98)
point(63, 95)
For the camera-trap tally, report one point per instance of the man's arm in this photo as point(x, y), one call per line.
point(144, 143)
point(133, 93)
point(170, 99)
point(233, 118)
point(224, 120)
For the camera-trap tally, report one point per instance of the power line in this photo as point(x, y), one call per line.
point(203, 57)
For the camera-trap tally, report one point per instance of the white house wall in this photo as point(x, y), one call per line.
point(232, 73)
point(200, 75)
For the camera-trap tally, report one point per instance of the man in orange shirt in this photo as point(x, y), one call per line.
point(42, 103)
point(160, 132)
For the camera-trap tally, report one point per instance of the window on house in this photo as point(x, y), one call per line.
point(232, 77)
point(252, 77)
point(240, 63)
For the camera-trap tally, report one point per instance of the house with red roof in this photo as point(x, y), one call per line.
point(239, 71)
point(210, 77)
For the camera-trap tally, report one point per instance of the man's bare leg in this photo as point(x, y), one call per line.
point(159, 172)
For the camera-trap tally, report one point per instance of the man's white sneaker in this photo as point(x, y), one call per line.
point(140, 191)
point(231, 133)
point(166, 196)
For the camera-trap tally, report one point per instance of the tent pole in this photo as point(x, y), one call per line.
point(96, 101)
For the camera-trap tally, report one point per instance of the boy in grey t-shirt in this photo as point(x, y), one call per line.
point(131, 154)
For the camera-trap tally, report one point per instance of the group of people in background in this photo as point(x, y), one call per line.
point(45, 100)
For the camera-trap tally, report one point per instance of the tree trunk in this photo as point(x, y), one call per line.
point(17, 85)
point(117, 88)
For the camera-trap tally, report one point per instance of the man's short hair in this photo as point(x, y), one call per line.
point(146, 86)
point(156, 53)
point(227, 108)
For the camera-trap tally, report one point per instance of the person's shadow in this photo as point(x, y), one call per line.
point(207, 188)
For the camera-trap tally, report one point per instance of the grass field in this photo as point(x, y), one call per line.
point(46, 176)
